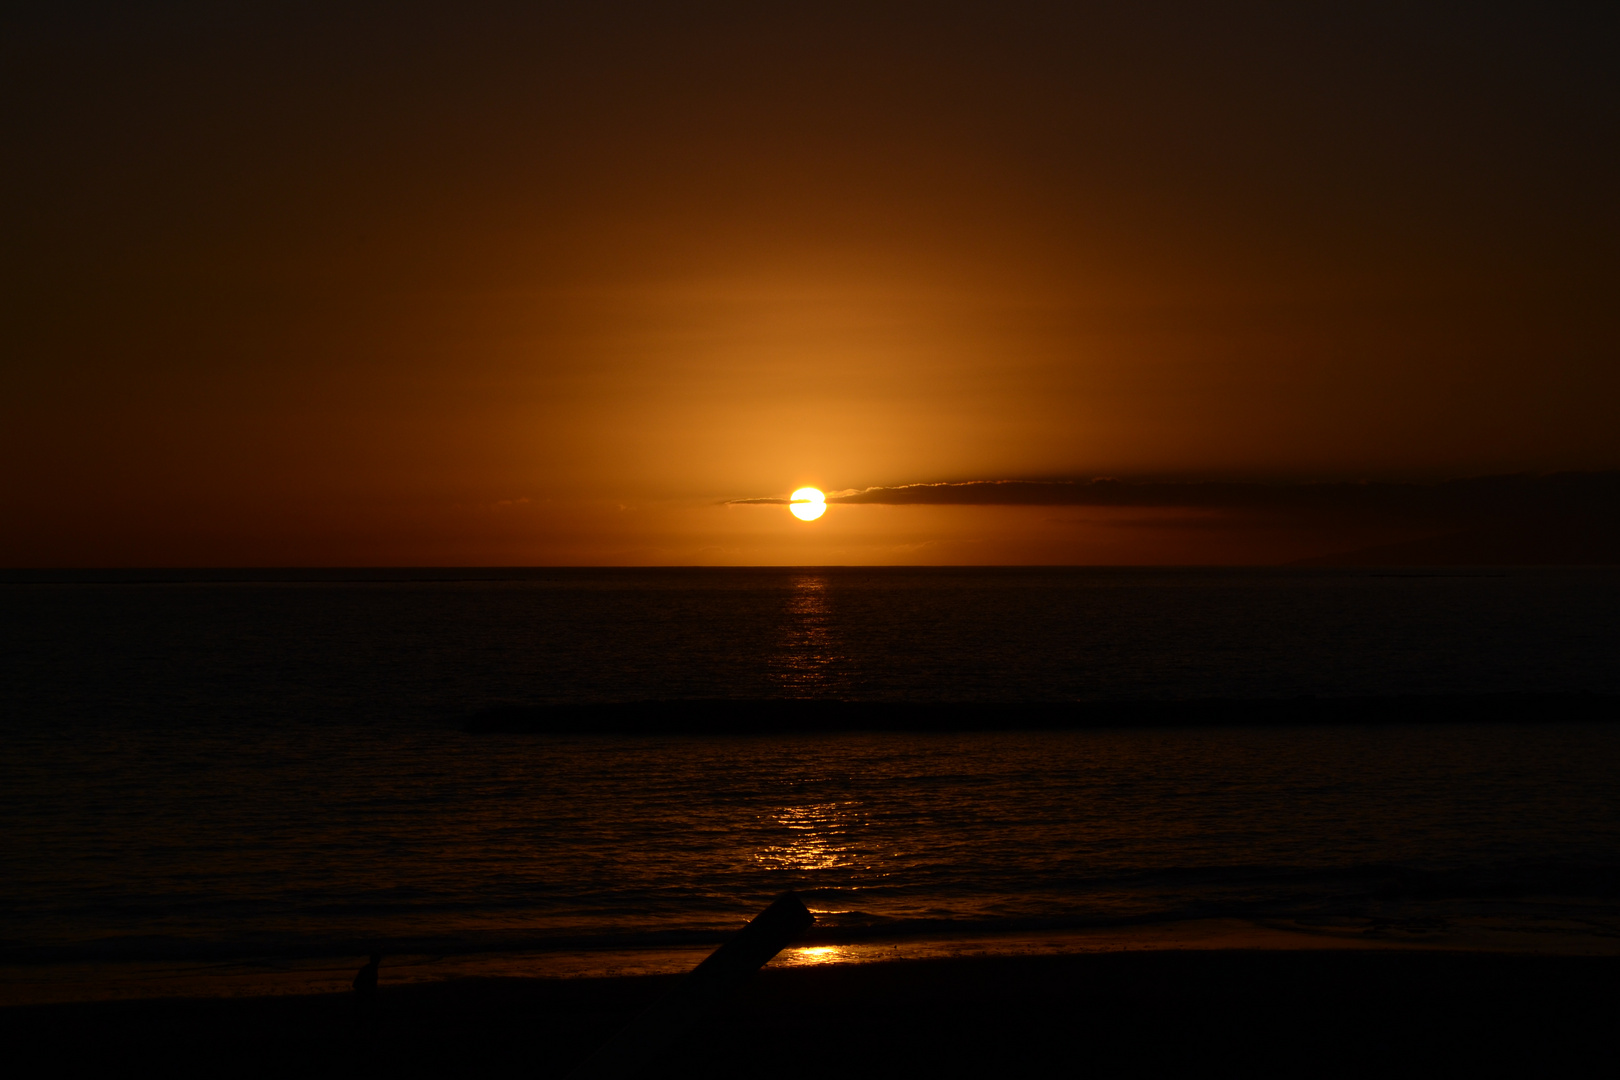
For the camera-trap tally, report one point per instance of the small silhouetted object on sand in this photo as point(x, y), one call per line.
point(365, 991)
point(655, 1032)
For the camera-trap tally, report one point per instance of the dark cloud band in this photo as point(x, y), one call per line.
point(1588, 499)
point(1561, 495)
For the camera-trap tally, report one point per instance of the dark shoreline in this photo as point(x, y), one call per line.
point(1124, 1013)
point(721, 716)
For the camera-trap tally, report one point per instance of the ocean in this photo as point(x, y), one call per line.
point(217, 782)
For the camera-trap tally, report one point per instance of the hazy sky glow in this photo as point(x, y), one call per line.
point(497, 286)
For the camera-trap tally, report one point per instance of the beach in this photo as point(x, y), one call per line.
point(1135, 1012)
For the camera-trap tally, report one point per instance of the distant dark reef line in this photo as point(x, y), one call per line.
point(724, 716)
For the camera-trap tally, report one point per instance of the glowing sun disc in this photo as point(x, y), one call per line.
point(808, 504)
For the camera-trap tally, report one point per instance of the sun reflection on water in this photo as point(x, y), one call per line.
point(818, 837)
point(807, 658)
point(809, 955)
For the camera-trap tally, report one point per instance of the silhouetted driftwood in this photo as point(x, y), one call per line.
point(365, 995)
point(641, 1043)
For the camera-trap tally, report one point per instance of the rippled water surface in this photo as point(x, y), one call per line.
point(199, 768)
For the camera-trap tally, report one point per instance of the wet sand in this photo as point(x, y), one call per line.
point(1170, 1012)
point(1574, 929)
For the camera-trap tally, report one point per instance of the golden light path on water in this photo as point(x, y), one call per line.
point(809, 658)
point(816, 838)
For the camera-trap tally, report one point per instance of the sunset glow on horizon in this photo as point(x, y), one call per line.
point(572, 302)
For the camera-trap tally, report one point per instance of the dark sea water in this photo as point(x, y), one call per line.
point(201, 769)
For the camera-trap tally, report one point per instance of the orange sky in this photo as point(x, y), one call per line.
point(501, 287)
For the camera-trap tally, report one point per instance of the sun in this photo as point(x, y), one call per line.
point(808, 504)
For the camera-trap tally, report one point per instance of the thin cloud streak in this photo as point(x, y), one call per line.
point(1474, 499)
